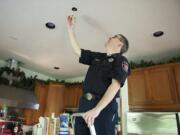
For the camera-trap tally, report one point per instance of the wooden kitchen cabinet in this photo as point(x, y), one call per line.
point(41, 92)
point(55, 99)
point(177, 79)
point(28, 116)
point(161, 85)
point(138, 89)
point(155, 88)
point(72, 95)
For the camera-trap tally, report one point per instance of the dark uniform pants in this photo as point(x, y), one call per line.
point(104, 123)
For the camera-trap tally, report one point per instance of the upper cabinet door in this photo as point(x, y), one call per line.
point(72, 95)
point(162, 85)
point(177, 79)
point(138, 88)
point(55, 100)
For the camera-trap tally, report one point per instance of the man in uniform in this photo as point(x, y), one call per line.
point(106, 75)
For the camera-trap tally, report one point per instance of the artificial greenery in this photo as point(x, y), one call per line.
point(16, 78)
point(144, 63)
point(21, 81)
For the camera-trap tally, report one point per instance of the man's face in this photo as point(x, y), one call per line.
point(114, 42)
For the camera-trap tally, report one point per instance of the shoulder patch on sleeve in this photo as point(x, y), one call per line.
point(125, 66)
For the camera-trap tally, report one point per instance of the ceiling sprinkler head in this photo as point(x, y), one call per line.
point(158, 33)
point(74, 9)
point(56, 68)
point(50, 25)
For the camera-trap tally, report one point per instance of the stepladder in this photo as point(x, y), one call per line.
point(74, 116)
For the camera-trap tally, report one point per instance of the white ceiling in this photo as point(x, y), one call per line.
point(23, 34)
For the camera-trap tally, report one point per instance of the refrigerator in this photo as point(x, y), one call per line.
point(153, 123)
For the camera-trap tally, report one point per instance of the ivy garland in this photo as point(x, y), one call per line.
point(18, 79)
point(143, 63)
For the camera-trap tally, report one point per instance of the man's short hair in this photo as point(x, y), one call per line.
point(125, 43)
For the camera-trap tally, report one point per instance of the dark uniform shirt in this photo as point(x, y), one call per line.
point(102, 69)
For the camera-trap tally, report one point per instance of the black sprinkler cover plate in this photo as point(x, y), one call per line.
point(50, 25)
point(158, 33)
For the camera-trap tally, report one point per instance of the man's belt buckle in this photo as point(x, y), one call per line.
point(89, 96)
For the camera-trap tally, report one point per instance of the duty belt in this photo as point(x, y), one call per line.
point(89, 96)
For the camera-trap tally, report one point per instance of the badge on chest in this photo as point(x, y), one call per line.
point(110, 59)
point(97, 59)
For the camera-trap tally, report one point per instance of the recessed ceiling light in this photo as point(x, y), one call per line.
point(50, 25)
point(158, 33)
point(74, 9)
point(56, 68)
